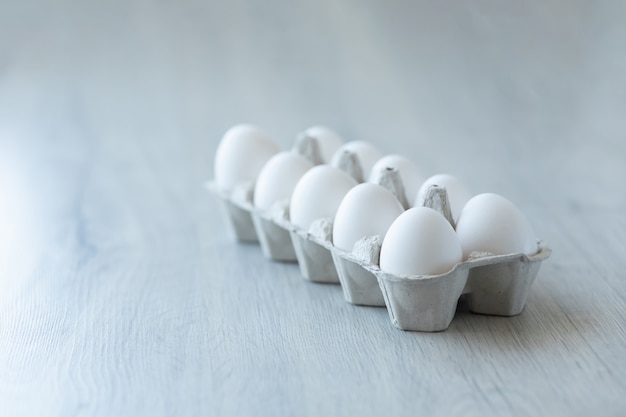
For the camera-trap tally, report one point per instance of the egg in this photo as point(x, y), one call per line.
point(366, 210)
point(411, 178)
point(491, 223)
point(318, 194)
point(241, 154)
point(278, 178)
point(327, 140)
point(420, 242)
point(458, 194)
point(366, 153)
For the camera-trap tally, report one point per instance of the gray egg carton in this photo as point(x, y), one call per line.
point(493, 285)
point(490, 284)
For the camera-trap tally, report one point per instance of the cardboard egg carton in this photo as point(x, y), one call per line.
point(495, 285)
point(490, 284)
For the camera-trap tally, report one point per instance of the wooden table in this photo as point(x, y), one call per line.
point(122, 291)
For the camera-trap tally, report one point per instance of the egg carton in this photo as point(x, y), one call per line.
point(314, 252)
point(490, 284)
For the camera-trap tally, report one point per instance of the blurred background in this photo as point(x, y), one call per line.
point(514, 98)
point(459, 79)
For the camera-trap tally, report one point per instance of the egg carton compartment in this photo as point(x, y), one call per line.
point(493, 285)
point(237, 209)
point(313, 251)
point(273, 231)
point(359, 284)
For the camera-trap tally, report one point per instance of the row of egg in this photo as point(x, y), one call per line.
point(325, 183)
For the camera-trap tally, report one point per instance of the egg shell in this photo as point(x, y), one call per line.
point(366, 210)
point(318, 194)
point(366, 153)
point(278, 178)
point(241, 154)
point(411, 178)
point(420, 242)
point(458, 194)
point(491, 223)
point(327, 140)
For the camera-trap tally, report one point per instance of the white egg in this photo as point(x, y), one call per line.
point(318, 194)
point(411, 178)
point(367, 210)
point(458, 194)
point(278, 178)
point(491, 223)
point(241, 154)
point(420, 242)
point(327, 140)
point(367, 154)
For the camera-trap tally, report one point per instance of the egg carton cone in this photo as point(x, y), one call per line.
point(313, 252)
point(493, 285)
point(237, 208)
point(273, 231)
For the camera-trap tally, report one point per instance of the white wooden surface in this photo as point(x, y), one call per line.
point(122, 292)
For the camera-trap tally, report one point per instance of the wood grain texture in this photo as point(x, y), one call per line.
point(123, 293)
